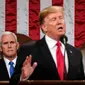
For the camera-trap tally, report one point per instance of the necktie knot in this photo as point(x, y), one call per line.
point(11, 63)
point(58, 44)
point(11, 68)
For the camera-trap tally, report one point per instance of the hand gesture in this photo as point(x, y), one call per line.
point(27, 68)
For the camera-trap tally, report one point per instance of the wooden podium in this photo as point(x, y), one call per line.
point(53, 82)
point(47, 82)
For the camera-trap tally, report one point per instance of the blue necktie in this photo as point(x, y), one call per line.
point(11, 68)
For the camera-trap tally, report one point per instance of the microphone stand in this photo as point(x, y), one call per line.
point(64, 40)
point(65, 72)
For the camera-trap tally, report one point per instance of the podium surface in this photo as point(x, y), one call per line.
point(47, 82)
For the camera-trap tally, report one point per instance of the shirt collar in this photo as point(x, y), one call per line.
point(51, 42)
point(7, 61)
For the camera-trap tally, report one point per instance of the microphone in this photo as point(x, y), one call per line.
point(64, 39)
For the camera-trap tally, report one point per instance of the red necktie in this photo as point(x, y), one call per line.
point(60, 61)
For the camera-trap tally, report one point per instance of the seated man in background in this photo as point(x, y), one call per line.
point(8, 47)
point(50, 58)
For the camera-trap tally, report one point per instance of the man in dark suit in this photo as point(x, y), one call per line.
point(8, 47)
point(43, 63)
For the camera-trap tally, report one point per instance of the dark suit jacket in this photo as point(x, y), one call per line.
point(4, 76)
point(3, 71)
point(46, 69)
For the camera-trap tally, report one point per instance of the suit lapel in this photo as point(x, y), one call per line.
point(48, 57)
point(70, 59)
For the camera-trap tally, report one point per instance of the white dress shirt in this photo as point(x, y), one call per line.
point(7, 64)
point(52, 47)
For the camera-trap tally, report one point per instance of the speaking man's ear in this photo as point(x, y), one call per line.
point(44, 27)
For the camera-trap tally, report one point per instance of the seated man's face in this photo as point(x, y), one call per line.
point(9, 46)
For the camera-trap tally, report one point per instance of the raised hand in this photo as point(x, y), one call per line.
point(27, 68)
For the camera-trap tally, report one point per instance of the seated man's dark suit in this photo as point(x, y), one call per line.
point(4, 76)
point(3, 71)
